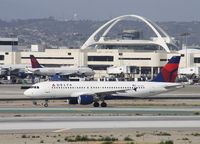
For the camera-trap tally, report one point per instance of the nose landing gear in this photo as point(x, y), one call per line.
point(46, 103)
point(35, 103)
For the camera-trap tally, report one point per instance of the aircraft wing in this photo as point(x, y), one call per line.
point(73, 72)
point(111, 92)
point(32, 70)
point(66, 73)
point(98, 94)
point(176, 86)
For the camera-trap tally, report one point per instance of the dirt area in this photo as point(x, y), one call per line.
point(117, 136)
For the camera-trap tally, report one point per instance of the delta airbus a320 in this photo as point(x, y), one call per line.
point(94, 92)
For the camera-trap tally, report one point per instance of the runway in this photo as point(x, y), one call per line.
point(110, 111)
point(19, 117)
point(55, 124)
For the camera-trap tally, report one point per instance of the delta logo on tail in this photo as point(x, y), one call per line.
point(169, 71)
point(34, 62)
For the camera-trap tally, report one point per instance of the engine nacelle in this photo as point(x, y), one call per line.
point(85, 99)
point(73, 101)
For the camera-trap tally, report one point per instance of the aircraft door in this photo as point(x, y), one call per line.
point(47, 91)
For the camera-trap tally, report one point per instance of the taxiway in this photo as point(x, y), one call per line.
point(98, 122)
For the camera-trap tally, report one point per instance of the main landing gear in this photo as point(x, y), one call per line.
point(103, 104)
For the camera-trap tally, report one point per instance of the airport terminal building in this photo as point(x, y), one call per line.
point(144, 56)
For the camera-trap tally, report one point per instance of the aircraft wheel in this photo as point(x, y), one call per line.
point(96, 104)
point(46, 105)
point(34, 103)
point(82, 75)
point(103, 104)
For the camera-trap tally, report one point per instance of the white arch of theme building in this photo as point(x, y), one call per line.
point(159, 40)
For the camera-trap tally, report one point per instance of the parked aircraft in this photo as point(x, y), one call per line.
point(3, 72)
point(65, 71)
point(17, 70)
point(88, 92)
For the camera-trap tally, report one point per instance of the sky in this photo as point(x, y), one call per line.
point(157, 10)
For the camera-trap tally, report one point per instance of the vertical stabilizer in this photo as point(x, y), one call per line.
point(34, 62)
point(169, 72)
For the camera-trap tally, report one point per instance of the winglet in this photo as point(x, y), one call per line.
point(34, 62)
point(169, 72)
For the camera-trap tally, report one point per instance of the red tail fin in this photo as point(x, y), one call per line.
point(34, 62)
point(169, 71)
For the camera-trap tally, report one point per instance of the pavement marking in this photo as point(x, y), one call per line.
point(60, 130)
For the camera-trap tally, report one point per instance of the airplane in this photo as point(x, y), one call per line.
point(17, 70)
point(64, 71)
point(88, 92)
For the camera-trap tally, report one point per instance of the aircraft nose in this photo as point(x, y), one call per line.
point(27, 92)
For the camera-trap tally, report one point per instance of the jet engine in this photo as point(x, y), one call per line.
point(73, 101)
point(85, 99)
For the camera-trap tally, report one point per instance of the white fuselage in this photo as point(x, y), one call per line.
point(19, 67)
point(15, 66)
point(62, 71)
point(55, 89)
